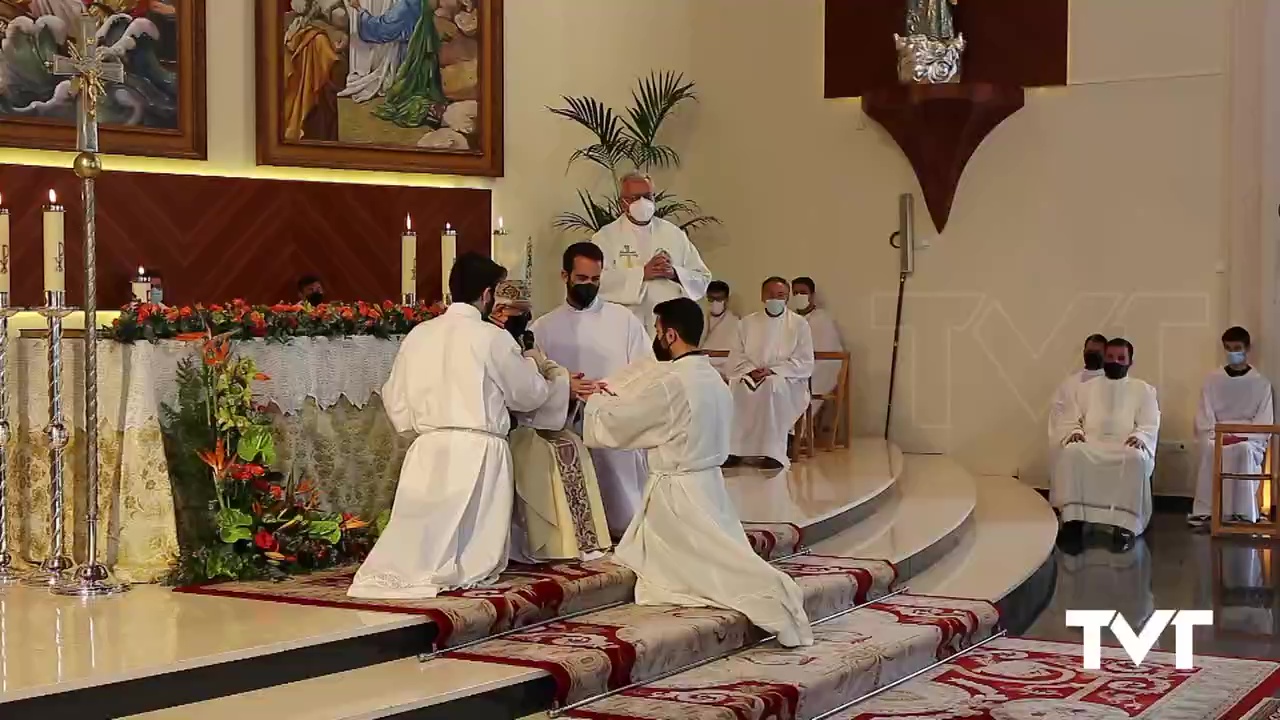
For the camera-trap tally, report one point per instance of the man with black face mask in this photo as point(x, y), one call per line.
point(1108, 434)
point(1094, 347)
point(595, 339)
point(311, 290)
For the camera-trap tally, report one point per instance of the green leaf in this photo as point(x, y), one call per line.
point(233, 525)
point(328, 530)
point(380, 522)
point(255, 441)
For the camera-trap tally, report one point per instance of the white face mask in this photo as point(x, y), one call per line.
point(642, 210)
point(717, 307)
point(775, 307)
point(799, 301)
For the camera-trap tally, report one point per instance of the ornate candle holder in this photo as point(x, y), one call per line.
point(8, 575)
point(53, 571)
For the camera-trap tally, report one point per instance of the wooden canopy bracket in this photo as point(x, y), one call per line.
point(939, 127)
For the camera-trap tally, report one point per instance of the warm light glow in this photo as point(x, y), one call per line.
point(141, 271)
point(448, 227)
point(408, 222)
point(53, 197)
point(499, 223)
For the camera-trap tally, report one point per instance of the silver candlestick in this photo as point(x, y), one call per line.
point(92, 579)
point(409, 299)
point(53, 571)
point(8, 575)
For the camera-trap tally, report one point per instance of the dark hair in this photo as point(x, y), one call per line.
point(1121, 342)
point(1237, 334)
point(471, 275)
point(718, 286)
point(682, 315)
point(588, 250)
point(306, 280)
point(807, 281)
point(1096, 338)
point(774, 279)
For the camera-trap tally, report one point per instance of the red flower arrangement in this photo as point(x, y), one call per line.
point(282, 321)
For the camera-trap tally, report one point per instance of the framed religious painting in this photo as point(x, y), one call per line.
point(402, 85)
point(157, 110)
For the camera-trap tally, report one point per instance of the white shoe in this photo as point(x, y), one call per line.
point(1197, 520)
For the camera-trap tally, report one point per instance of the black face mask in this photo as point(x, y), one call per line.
point(517, 325)
point(1092, 360)
point(660, 351)
point(1115, 371)
point(316, 299)
point(583, 294)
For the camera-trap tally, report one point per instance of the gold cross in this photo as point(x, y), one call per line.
point(90, 68)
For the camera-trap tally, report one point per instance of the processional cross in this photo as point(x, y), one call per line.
point(90, 68)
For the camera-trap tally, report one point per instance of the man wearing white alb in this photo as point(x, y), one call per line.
point(594, 339)
point(687, 546)
point(1094, 348)
point(769, 371)
point(1234, 394)
point(1108, 434)
point(826, 337)
point(453, 384)
point(721, 324)
point(647, 259)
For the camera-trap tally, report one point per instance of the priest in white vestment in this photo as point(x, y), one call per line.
point(647, 259)
point(721, 324)
point(687, 546)
point(1240, 395)
point(593, 339)
point(1094, 348)
point(826, 337)
point(559, 514)
point(1108, 434)
point(769, 371)
point(454, 383)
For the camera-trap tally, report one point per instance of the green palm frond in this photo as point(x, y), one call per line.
point(612, 145)
point(654, 99)
point(686, 214)
point(597, 212)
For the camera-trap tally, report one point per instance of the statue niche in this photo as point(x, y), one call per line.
point(930, 52)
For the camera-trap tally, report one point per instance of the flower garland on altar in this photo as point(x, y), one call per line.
point(260, 524)
point(280, 322)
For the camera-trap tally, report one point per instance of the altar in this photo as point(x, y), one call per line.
point(322, 396)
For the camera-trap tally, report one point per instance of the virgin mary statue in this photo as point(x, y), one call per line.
point(931, 18)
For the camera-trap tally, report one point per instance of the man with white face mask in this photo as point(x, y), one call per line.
point(721, 324)
point(647, 260)
point(769, 370)
point(826, 336)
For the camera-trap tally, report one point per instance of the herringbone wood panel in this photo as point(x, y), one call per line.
point(215, 238)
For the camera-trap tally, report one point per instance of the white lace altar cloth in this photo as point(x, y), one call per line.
point(134, 381)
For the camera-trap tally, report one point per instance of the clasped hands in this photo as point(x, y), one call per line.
point(1133, 442)
point(759, 374)
point(582, 388)
point(659, 268)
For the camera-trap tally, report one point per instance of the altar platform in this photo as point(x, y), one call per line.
point(158, 654)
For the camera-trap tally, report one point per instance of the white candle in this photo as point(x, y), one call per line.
point(448, 253)
point(408, 260)
point(55, 273)
point(4, 248)
point(141, 286)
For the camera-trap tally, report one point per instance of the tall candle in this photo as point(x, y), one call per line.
point(55, 273)
point(408, 259)
point(448, 253)
point(4, 248)
point(498, 247)
point(141, 286)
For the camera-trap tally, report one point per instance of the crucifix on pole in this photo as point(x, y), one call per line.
point(90, 68)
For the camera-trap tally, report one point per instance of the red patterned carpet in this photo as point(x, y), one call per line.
point(1037, 680)
point(618, 646)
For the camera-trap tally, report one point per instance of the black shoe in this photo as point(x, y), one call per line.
point(769, 463)
point(1122, 540)
point(732, 461)
point(1071, 538)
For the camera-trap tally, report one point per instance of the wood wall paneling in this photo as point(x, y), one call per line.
point(217, 238)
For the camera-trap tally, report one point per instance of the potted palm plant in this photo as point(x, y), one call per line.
point(629, 141)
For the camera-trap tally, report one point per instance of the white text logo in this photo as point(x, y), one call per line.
point(1137, 645)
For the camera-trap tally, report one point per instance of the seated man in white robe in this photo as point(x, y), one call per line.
point(1108, 434)
point(722, 324)
point(647, 259)
point(593, 339)
point(826, 337)
point(1240, 395)
point(454, 383)
point(769, 371)
point(687, 546)
point(1094, 348)
point(558, 511)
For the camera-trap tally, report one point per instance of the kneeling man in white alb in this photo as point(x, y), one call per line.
point(1109, 430)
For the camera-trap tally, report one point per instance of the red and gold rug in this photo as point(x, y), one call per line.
point(774, 540)
point(618, 646)
point(1037, 680)
point(851, 656)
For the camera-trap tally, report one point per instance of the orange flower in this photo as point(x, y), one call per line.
point(144, 312)
point(261, 377)
point(192, 336)
point(215, 351)
point(216, 308)
point(347, 314)
point(277, 493)
point(185, 312)
point(256, 318)
point(306, 486)
point(216, 459)
point(351, 522)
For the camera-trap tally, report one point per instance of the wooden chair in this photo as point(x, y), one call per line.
point(839, 397)
point(1270, 526)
